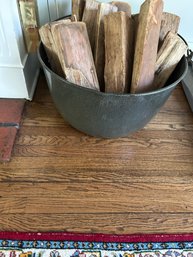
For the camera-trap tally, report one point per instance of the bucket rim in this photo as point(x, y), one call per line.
point(106, 94)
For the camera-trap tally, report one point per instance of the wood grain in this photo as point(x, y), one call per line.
point(90, 17)
point(99, 49)
point(78, 8)
point(95, 198)
point(169, 55)
point(147, 40)
point(110, 223)
point(170, 22)
point(51, 48)
point(46, 174)
point(74, 51)
point(60, 179)
point(118, 52)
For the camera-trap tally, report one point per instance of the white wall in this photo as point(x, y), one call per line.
point(11, 53)
point(52, 9)
point(18, 69)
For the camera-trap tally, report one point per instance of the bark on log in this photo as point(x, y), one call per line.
point(99, 52)
point(75, 54)
point(170, 53)
point(146, 45)
point(118, 52)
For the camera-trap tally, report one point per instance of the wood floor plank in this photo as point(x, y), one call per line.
point(74, 163)
point(93, 175)
point(121, 223)
point(180, 151)
point(176, 142)
point(95, 198)
point(143, 146)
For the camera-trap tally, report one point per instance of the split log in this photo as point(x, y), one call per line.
point(78, 8)
point(49, 45)
point(74, 51)
point(146, 45)
point(170, 22)
point(89, 17)
point(123, 7)
point(99, 52)
point(118, 52)
point(169, 55)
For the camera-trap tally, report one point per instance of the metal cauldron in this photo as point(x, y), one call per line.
point(106, 115)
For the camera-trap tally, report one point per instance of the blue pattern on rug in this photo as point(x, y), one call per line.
point(39, 248)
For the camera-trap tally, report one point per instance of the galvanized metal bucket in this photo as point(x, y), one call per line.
point(106, 115)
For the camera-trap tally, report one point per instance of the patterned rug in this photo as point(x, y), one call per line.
point(94, 245)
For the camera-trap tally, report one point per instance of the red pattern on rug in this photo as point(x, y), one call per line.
point(13, 244)
point(96, 237)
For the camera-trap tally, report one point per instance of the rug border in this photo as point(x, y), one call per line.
point(82, 237)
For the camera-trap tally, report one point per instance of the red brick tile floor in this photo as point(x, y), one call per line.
point(10, 117)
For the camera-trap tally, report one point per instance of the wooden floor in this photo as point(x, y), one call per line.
point(62, 180)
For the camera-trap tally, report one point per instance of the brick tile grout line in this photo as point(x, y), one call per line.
point(9, 124)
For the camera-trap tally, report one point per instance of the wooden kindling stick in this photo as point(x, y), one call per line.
point(170, 22)
point(74, 51)
point(50, 46)
point(99, 49)
point(147, 39)
point(78, 8)
point(118, 52)
point(169, 55)
point(89, 17)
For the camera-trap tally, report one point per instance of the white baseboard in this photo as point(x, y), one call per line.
point(20, 82)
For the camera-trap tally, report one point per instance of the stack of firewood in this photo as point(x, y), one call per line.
point(104, 47)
